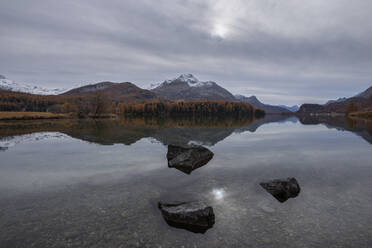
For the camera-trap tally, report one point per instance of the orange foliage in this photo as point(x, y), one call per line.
point(197, 108)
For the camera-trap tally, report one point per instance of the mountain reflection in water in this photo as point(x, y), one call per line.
point(362, 128)
point(92, 191)
point(174, 131)
point(169, 131)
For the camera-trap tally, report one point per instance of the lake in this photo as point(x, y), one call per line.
point(68, 183)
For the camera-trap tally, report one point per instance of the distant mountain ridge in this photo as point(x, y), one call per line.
point(341, 99)
point(363, 100)
point(186, 87)
point(268, 108)
point(365, 94)
point(121, 92)
point(293, 108)
point(10, 85)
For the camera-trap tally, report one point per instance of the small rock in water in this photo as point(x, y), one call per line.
point(282, 189)
point(188, 158)
point(195, 216)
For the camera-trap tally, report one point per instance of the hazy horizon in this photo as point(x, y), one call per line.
point(283, 52)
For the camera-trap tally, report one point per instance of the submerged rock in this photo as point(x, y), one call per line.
point(195, 216)
point(188, 158)
point(282, 189)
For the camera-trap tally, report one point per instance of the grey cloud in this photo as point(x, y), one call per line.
point(284, 52)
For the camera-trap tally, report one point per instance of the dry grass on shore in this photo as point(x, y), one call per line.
point(103, 116)
point(31, 115)
point(362, 114)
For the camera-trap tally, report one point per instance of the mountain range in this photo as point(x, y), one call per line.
point(186, 87)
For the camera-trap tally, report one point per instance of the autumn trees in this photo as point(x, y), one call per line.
point(190, 108)
point(351, 107)
point(95, 104)
point(98, 103)
point(16, 101)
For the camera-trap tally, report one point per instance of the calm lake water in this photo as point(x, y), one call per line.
point(97, 183)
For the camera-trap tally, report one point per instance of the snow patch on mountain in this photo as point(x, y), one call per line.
point(7, 84)
point(187, 78)
point(155, 85)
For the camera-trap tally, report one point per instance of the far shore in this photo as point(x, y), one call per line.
point(5, 116)
point(362, 115)
point(31, 116)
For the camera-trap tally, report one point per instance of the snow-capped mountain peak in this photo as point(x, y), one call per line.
point(186, 87)
point(187, 78)
point(193, 81)
point(155, 85)
point(7, 84)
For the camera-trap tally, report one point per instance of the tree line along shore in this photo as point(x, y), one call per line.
point(23, 106)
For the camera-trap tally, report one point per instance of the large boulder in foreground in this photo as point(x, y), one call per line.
point(188, 158)
point(282, 189)
point(194, 216)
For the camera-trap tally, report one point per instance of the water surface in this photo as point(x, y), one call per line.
point(97, 184)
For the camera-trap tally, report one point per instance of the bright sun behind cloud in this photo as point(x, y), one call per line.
point(220, 30)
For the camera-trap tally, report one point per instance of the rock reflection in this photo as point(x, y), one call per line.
point(196, 217)
point(188, 158)
point(282, 189)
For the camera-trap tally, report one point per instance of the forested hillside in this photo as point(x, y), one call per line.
point(100, 102)
point(16, 101)
point(191, 108)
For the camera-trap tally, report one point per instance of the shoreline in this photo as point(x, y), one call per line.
point(24, 116)
point(13, 116)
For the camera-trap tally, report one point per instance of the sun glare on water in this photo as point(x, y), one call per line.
point(218, 194)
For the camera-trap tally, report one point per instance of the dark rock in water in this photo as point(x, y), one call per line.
point(195, 216)
point(188, 158)
point(282, 189)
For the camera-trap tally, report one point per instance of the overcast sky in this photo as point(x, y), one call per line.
point(282, 51)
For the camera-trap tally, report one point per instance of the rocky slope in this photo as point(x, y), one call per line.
point(365, 94)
